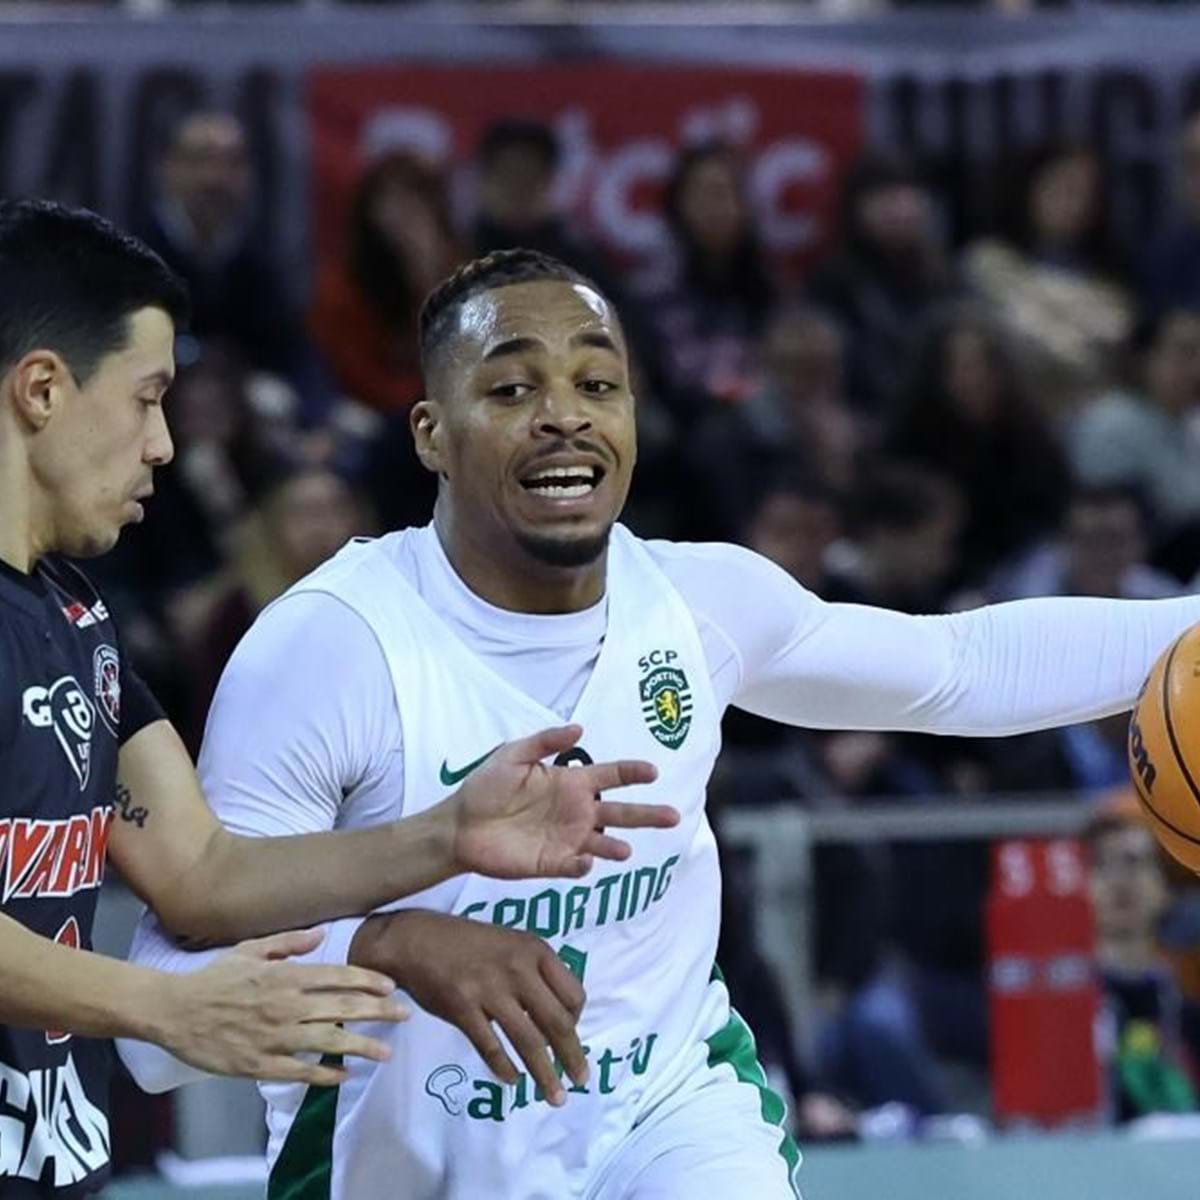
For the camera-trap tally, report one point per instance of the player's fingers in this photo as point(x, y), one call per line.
point(530, 1044)
point(483, 1037)
point(333, 1039)
point(281, 945)
point(557, 1026)
point(602, 846)
point(601, 777)
point(283, 1069)
point(575, 867)
point(564, 984)
point(543, 744)
point(313, 978)
point(351, 1006)
point(636, 816)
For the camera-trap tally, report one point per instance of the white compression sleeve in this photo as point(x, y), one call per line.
point(157, 1070)
point(1003, 669)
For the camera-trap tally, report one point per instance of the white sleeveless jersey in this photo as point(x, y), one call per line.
point(433, 1122)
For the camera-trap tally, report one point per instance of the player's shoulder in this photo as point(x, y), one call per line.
point(690, 564)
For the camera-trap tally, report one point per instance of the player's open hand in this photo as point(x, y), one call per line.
point(481, 978)
point(252, 1013)
point(518, 817)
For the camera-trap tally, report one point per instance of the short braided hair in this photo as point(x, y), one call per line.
point(501, 268)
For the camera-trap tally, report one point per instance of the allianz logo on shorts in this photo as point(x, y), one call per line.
point(486, 1100)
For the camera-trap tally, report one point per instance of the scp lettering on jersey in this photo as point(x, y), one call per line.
point(46, 1117)
point(54, 858)
point(65, 708)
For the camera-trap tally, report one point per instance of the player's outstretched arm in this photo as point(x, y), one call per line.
point(516, 817)
point(249, 1013)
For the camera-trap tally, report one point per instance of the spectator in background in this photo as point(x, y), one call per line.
point(1149, 437)
point(1100, 550)
point(201, 222)
point(712, 304)
point(517, 162)
point(1157, 1030)
point(905, 526)
point(796, 422)
point(1170, 271)
point(156, 577)
point(304, 516)
point(964, 412)
point(1054, 276)
point(399, 243)
point(888, 270)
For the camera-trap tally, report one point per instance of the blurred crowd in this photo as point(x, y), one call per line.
point(912, 424)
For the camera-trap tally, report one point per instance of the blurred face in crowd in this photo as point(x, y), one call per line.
point(896, 218)
point(311, 517)
point(209, 403)
point(515, 188)
point(1127, 883)
point(207, 173)
point(1173, 363)
point(970, 376)
point(94, 447)
point(1062, 199)
point(530, 423)
point(408, 223)
point(1104, 539)
point(804, 357)
point(795, 531)
point(711, 206)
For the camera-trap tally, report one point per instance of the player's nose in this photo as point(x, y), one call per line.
point(561, 412)
point(159, 449)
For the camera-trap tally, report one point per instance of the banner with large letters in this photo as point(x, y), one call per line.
point(84, 102)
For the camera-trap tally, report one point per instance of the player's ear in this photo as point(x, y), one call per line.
point(36, 386)
point(425, 418)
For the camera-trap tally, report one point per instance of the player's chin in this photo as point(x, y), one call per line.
point(559, 547)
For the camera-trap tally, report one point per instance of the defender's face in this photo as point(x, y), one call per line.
point(98, 453)
point(532, 420)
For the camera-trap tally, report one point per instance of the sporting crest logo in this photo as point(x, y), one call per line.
point(666, 698)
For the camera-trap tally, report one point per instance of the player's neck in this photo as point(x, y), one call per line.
point(527, 586)
point(19, 544)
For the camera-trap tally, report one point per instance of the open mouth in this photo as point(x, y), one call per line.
point(563, 483)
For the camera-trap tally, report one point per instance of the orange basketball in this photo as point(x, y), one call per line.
point(1164, 749)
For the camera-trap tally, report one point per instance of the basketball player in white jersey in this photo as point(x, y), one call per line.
point(390, 673)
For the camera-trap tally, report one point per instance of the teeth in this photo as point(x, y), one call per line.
point(560, 492)
point(563, 473)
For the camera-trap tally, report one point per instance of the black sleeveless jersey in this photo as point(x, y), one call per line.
point(67, 702)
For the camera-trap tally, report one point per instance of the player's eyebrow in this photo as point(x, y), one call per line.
point(597, 338)
point(162, 379)
point(510, 346)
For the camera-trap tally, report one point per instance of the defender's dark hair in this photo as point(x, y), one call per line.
point(501, 268)
point(70, 281)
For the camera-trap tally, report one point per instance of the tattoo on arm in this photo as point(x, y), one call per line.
point(129, 811)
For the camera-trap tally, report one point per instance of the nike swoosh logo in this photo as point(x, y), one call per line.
point(449, 778)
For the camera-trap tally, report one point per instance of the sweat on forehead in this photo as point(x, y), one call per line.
point(514, 317)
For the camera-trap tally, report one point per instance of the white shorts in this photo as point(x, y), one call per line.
point(718, 1137)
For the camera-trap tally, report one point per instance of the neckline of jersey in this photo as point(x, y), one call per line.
point(472, 610)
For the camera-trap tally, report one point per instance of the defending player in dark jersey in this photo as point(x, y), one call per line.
point(88, 766)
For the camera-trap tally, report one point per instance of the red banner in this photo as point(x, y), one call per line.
point(620, 127)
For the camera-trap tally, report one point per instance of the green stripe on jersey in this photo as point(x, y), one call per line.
point(304, 1168)
point(733, 1044)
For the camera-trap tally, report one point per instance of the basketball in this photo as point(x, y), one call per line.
point(1164, 750)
